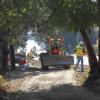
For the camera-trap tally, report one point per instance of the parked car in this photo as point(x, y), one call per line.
point(20, 59)
point(22, 62)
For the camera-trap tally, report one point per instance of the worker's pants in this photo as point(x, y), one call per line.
point(80, 60)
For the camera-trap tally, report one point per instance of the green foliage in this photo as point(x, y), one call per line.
point(10, 22)
point(17, 17)
point(73, 14)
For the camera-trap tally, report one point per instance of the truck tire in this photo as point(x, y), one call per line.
point(45, 67)
point(66, 66)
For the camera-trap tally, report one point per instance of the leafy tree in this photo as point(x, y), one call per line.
point(19, 17)
point(10, 24)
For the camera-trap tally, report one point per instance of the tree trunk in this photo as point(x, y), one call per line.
point(98, 2)
point(91, 54)
point(99, 51)
point(12, 54)
point(5, 59)
point(94, 73)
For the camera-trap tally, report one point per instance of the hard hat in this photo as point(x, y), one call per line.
point(81, 43)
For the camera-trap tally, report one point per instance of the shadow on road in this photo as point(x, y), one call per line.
point(31, 71)
point(60, 92)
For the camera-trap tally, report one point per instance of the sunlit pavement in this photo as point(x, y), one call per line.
point(85, 59)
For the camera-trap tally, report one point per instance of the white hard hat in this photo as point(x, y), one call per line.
point(81, 43)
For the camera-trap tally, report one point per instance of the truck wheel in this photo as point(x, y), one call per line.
point(66, 66)
point(45, 67)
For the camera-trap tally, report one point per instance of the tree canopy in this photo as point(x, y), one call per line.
point(45, 16)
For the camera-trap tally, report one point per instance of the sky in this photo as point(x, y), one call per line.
point(31, 44)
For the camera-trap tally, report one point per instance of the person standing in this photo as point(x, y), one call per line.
point(80, 51)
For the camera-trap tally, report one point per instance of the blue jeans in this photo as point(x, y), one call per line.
point(80, 59)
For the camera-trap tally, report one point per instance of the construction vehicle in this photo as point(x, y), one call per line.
point(55, 55)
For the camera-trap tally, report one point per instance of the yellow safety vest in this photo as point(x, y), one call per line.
point(79, 51)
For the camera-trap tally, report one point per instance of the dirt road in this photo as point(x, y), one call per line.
point(57, 84)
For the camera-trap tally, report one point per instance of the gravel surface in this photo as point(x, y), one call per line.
point(55, 84)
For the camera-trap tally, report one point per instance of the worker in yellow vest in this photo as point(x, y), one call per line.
point(80, 51)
